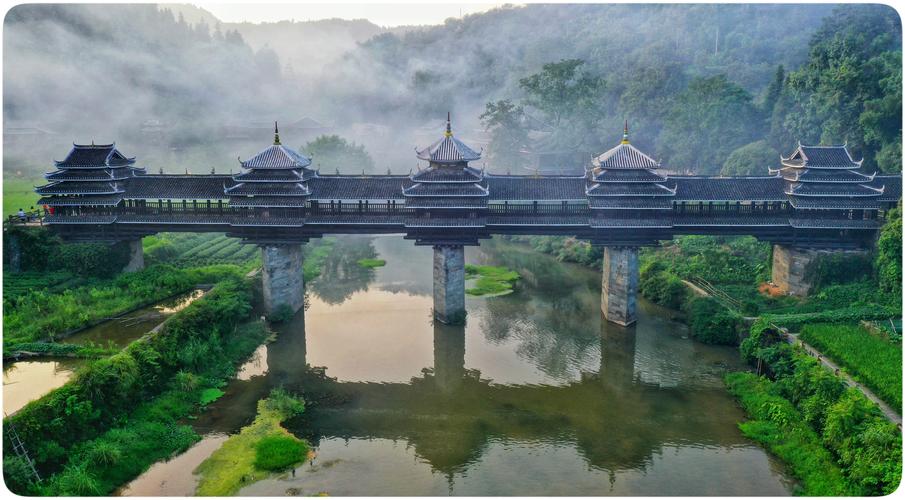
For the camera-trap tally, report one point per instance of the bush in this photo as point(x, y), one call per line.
point(889, 252)
point(712, 323)
point(661, 286)
point(282, 313)
point(275, 453)
point(838, 268)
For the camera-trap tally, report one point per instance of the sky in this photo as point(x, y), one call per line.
point(387, 15)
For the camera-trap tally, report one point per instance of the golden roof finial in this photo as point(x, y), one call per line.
point(448, 126)
point(276, 134)
point(625, 133)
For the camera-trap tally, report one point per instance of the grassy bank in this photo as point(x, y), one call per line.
point(371, 263)
point(865, 446)
point(491, 281)
point(875, 362)
point(53, 349)
point(41, 314)
point(257, 450)
point(119, 415)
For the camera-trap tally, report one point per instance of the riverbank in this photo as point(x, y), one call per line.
point(74, 433)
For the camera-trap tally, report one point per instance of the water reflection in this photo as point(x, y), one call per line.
point(536, 394)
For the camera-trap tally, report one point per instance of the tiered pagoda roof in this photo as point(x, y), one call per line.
point(276, 177)
point(826, 177)
point(90, 175)
point(624, 179)
point(448, 182)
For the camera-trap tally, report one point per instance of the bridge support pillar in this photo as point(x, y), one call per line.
point(136, 256)
point(282, 276)
point(619, 290)
point(790, 265)
point(449, 284)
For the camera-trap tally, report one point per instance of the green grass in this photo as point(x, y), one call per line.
point(19, 193)
point(276, 453)
point(491, 281)
point(235, 464)
point(874, 361)
point(210, 395)
point(780, 427)
point(18, 284)
point(53, 349)
point(371, 263)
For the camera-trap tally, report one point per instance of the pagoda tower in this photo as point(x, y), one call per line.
point(447, 202)
point(624, 191)
point(273, 185)
point(89, 182)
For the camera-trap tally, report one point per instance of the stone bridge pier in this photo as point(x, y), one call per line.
point(619, 287)
point(282, 276)
point(790, 265)
point(449, 284)
point(136, 256)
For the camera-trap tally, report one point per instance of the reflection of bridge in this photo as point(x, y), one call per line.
point(817, 199)
point(450, 414)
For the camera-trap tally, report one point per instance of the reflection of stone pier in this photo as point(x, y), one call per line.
point(449, 356)
point(282, 277)
point(449, 283)
point(619, 290)
point(617, 354)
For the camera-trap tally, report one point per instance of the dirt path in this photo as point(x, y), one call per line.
point(849, 381)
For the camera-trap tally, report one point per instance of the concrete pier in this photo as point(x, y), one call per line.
point(619, 290)
point(282, 276)
point(449, 284)
point(136, 256)
point(790, 267)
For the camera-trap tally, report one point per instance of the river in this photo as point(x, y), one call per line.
point(536, 395)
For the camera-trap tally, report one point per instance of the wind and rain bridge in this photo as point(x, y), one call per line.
point(816, 200)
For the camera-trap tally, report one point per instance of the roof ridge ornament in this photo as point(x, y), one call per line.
point(448, 126)
point(625, 133)
point(276, 134)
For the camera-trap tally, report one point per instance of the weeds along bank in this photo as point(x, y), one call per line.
point(121, 414)
point(833, 438)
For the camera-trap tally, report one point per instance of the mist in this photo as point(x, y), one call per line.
point(184, 92)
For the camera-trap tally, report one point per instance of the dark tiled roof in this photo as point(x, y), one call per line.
point(273, 175)
point(356, 219)
point(448, 150)
point(892, 186)
point(177, 187)
point(537, 220)
point(633, 189)
point(80, 188)
point(604, 222)
point(94, 156)
point(72, 201)
point(624, 156)
point(812, 189)
point(445, 222)
point(729, 189)
point(833, 224)
point(842, 176)
point(623, 203)
point(441, 190)
point(627, 175)
point(268, 189)
point(827, 156)
point(836, 203)
point(92, 174)
point(741, 220)
point(528, 188)
point(268, 221)
point(277, 156)
point(448, 174)
point(385, 187)
point(174, 219)
point(79, 219)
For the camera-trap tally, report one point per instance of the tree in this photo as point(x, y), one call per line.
point(889, 252)
point(751, 159)
point(774, 90)
point(508, 133)
point(707, 122)
point(332, 152)
point(568, 98)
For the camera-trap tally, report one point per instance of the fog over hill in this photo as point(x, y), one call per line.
point(164, 79)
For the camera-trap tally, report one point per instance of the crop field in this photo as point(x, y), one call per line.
point(199, 249)
point(874, 361)
point(17, 284)
point(19, 193)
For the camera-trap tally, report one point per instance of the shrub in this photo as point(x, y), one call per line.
point(889, 252)
point(661, 286)
point(282, 313)
point(712, 323)
point(837, 268)
point(276, 453)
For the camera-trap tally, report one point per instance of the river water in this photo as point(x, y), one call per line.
point(536, 395)
point(29, 379)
